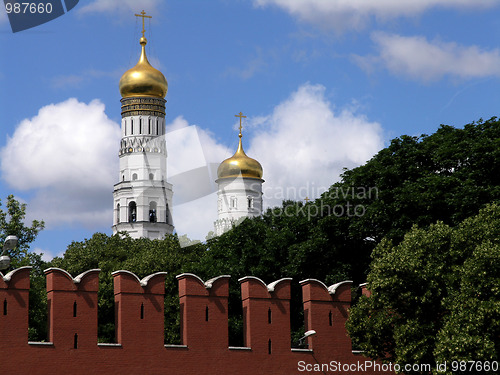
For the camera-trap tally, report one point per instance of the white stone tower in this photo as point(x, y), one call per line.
point(142, 197)
point(240, 188)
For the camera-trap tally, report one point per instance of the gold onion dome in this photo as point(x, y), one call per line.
point(143, 79)
point(240, 165)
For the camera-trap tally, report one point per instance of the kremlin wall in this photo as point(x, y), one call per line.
point(72, 346)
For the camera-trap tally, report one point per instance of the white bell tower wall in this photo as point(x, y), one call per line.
point(143, 197)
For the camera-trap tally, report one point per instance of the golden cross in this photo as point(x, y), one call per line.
point(143, 15)
point(240, 115)
point(307, 200)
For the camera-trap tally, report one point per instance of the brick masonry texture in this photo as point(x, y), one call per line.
point(72, 346)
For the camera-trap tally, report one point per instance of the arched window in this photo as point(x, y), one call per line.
point(118, 213)
point(132, 126)
point(140, 125)
point(152, 212)
point(250, 202)
point(149, 125)
point(151, 176)
point(132, 212)
point(167, 214)
point(157, 127)
point(134, 176)
point(234, 202)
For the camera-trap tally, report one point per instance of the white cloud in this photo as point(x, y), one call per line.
point(185, 150)
point(304, 144)
point(66, 158)
point(417, 58)
point(193, 158)
point(343, 15)
point(67, 155)
point(121, 7)
point(196, 218)
point(47, 255)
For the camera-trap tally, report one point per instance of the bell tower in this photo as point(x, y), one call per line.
point(143, 197)
point(239, 179)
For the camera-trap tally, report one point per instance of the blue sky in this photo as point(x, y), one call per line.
point(325, 85)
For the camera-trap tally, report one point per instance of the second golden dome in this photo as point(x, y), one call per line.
point(240, 165)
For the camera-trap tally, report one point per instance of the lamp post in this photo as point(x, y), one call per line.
point(9, 244)
point(306, 335)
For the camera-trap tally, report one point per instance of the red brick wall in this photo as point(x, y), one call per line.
point(139, 349)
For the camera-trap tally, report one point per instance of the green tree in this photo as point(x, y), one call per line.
point(446, 176)
point(281, 243)
point(12, 224)
point(140, 256)
point(435, 296)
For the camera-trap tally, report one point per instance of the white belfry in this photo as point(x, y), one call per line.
point(142, 197)
point(240, 189)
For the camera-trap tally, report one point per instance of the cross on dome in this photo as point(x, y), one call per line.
point(143, 15)
point(240, 115)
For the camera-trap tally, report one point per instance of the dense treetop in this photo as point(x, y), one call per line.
point(435, 295)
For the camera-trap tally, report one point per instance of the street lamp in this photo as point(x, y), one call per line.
point(9, 244)
point(306, 335)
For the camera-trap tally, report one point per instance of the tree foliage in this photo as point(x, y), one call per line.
point(140, 256)
point(12, 224)
point(435, 296)
point(266, 247)
point(446, 176)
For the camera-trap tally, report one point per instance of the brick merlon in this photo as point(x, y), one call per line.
point(316, 290)
point(193, 285)
point(253, 287)
point(128, 282)
point(16, 279)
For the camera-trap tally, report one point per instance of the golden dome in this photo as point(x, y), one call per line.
point(143, 79)
point(240, 165)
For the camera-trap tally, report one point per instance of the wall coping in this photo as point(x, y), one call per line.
point(143, 282)
point(76, 279)
point(331, 289)
point(208, 284)
point(270, 287)
point(109, 344)
point(40, 343)
point(9, 275)
point(175, 346)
